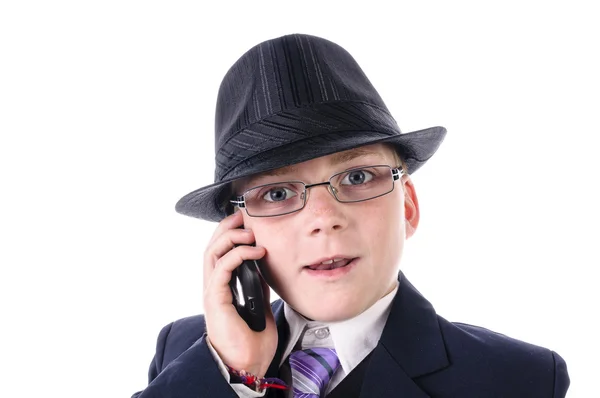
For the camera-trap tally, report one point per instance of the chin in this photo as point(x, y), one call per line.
point(329, 313)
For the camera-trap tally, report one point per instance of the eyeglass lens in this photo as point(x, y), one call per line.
point(354, 185)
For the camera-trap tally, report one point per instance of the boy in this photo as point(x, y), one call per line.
point(312, 180)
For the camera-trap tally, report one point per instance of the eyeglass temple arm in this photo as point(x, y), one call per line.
point(240, 202)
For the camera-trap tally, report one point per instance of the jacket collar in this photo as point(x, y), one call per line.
point(412, 334)
point(282, 336)
point(411, 346)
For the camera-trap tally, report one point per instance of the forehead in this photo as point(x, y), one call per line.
point(378, 152)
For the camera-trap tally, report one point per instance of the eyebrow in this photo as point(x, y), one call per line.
point(346, 156)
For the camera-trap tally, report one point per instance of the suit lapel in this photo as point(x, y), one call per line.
point(282, 337)
point(386, 378)
point(411, 345)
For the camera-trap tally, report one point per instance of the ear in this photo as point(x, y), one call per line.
point(411, 206)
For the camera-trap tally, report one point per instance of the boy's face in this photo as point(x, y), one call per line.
point(370, 232)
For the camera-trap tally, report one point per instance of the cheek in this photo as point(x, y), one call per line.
point(275, 239)
point(272, 236)
point(386, 221)
point(385, 235)
point(266, 231)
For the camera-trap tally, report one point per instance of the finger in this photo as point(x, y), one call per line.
point(225, 243)
point(228, 240)
point(234, 220)
point(225, 265)
point(217, 290)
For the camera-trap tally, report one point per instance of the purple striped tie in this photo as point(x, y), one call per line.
point(311, 371)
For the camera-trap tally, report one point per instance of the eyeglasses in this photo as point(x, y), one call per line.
point(355, 185)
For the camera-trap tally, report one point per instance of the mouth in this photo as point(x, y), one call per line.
point(330, 264)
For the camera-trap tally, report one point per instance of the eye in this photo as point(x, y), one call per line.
point(357, 177)
point(278, 194)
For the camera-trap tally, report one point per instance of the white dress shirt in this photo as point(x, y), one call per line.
point(353, 339)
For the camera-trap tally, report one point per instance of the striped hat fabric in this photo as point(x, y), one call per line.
point(292, 99)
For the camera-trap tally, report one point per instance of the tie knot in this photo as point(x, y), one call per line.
point(311, 370)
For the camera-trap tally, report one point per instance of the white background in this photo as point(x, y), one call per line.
point(106, 119)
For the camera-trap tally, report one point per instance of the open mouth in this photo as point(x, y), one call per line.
point(330, 264)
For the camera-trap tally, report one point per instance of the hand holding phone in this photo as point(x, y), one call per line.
point(233, 330)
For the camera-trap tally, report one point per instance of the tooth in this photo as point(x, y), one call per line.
point(337, 259)
point(327, 262)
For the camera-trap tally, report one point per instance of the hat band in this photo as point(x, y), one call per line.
point(244, 148)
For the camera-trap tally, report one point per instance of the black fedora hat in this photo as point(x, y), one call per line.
point(292, 99)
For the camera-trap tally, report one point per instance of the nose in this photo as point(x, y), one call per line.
point(324, 212)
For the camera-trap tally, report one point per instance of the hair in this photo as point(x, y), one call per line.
point(398, 159)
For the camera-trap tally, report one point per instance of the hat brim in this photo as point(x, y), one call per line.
point(415, 148)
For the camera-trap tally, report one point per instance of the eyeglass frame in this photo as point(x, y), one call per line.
point(396, 172)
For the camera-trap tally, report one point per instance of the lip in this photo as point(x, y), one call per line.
point(319, 261)
point(332, 273)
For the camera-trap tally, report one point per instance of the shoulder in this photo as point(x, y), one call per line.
point(478, 343)
point(181, 334)
point(178, 336)
point(470, 360)
point(499, 359)
point(189, 329)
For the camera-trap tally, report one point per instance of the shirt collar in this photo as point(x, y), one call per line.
point(353, 339)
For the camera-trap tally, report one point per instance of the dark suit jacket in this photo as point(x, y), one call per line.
point(420, 355)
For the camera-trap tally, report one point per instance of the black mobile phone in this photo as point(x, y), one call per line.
point(253, 309)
